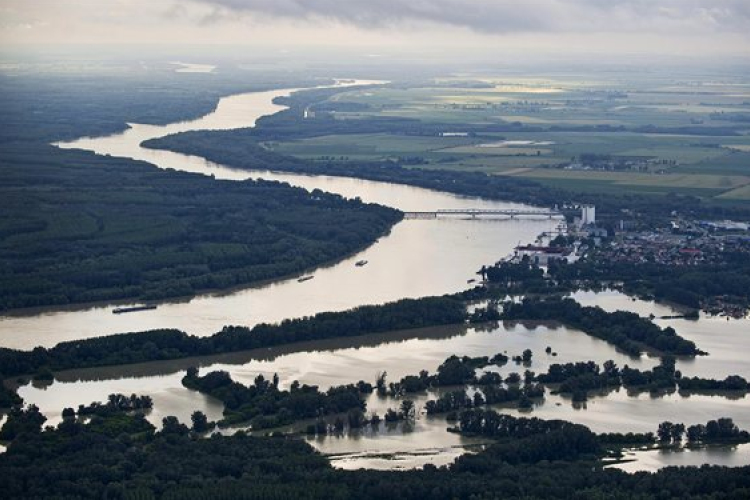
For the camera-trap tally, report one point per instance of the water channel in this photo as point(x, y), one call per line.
point(417, 258)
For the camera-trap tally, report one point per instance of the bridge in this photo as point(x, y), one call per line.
point(479, 212)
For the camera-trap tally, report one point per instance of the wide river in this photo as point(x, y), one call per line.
point(417, 258)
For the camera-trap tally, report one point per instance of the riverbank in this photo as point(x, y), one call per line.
point(416, 256)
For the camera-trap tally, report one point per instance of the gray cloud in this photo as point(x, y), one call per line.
point(508, 16)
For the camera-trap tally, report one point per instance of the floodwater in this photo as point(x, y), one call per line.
point(417, 258)
point(724, 340)
point(652, 460)
point(325, 363)
point(341, 361)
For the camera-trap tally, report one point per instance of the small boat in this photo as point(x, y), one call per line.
point(120, 310)
point(305, 278)
point(470, 281)
point(360, 263)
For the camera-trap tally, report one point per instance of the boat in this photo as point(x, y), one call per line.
point(305, 278)
point(360, 263)
point(120, 310)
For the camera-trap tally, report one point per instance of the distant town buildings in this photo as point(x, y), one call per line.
point(685, 242)
point(541, 255)
point(588, 215)
point(587, 220)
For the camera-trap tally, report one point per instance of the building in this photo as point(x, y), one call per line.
point(541, 255)
point(588, 215)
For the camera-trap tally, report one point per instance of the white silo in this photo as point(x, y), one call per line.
point(588, 214)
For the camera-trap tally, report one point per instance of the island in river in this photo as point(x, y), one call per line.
point(574, 462)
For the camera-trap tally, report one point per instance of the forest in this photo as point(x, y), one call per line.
point(694, 286)
point(46, 105)
point(80, 228)
point(690, 286)
point(121, 456)
point(578, 378)
point(76, 227)
point(239, 149)
point(264, 405)
point(243, 148)
point(625, 330)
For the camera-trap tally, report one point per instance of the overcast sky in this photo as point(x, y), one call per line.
point(659, 27)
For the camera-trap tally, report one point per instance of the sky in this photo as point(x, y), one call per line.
point(664, 28)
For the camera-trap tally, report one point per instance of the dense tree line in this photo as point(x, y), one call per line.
point(523, 277)
point(578, 378)
point(115, 403)
point(155, 345)
point(8, 397)
point(46, 106)
point(499, 426)
point(488, 394)
point(513, 274)
point(697, 384)
point(568, 378)
point(626, 330)
point(722, 430)
point(264, 405)
point(78, 228)
point(514, 430)
point(627, 440)
point(458, 371)
point(121, 456)
point(241, 148)
point(454, 370)
point(690, 286)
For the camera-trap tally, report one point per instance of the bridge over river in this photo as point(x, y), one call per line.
point(484, 212)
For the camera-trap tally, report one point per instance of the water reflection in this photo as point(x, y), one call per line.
point(652, 460)
point(418, 258)
point(723, 339)
point(324, 363)
point(342, 361)
point(169, 397)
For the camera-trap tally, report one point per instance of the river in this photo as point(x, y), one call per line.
point(341, 361)
point(417, 258)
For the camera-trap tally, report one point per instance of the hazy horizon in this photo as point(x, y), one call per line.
point(621, 31)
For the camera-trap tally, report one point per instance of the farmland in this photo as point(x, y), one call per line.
point(654, 137)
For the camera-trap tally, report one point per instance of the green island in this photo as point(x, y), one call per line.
point(79, 228)
point(644, 183)
point(128, 348)
point(626, 330)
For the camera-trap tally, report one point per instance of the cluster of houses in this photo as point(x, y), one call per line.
point(683, 244)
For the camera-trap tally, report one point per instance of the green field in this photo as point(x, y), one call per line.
point(690, 137)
